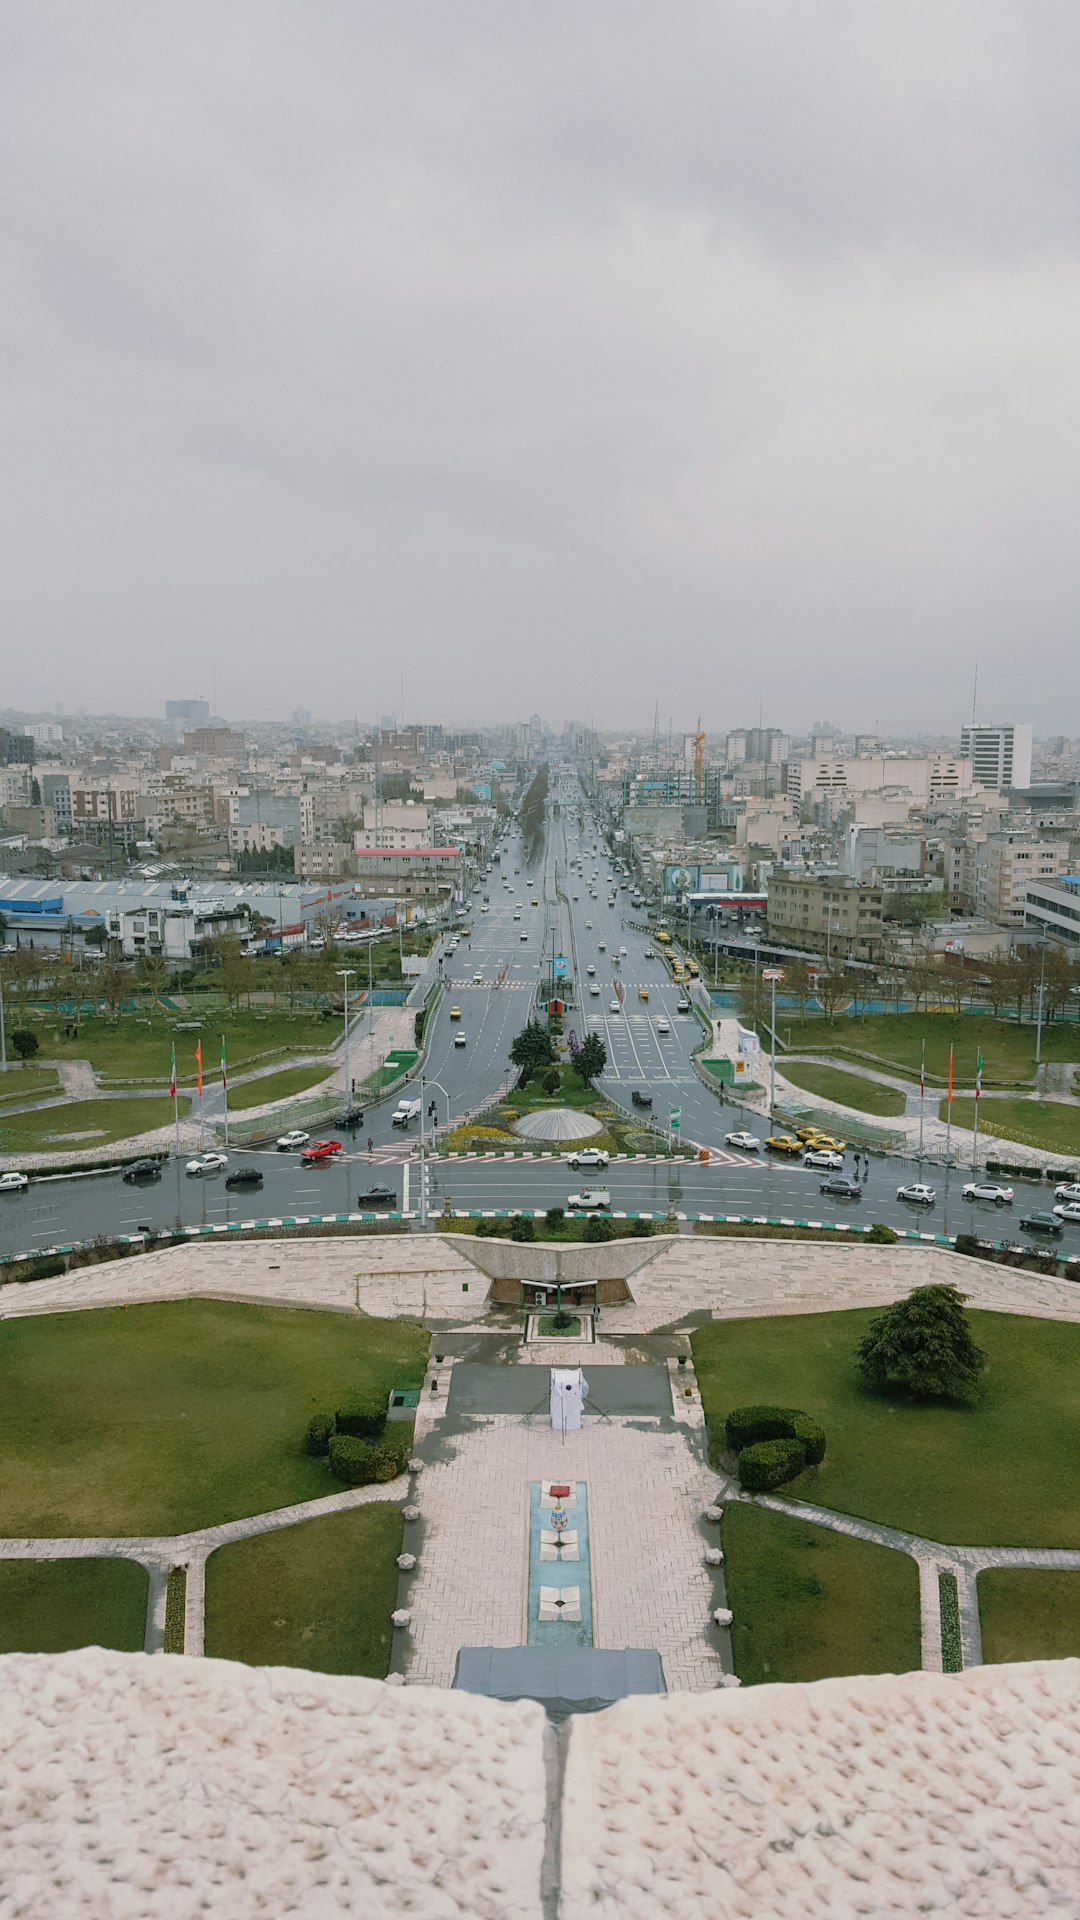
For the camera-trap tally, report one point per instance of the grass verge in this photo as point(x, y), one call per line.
point(850, 1089)
point(27, 1083)
point(86, 1123)
point(897, 1038)
point(160, 1418)
point(276, 1086)
point(50, 1606)
point(1029, 1613)
point(1000, 1474)
point(138, 1045)
point(1048, 1124)
point(810, 1604)
point(318, 1595)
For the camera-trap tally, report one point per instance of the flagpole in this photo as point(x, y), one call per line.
point(225, 1091)
point(948, 1116)
point(202, 1124)
point(978, 1097)
point(175, 1103)
point(922, 1099)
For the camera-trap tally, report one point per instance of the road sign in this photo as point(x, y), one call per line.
point(675, 1118)
point(558, 966)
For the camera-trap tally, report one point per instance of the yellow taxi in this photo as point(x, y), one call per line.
point(643, 993)
point(678, 971)
point(807, 1133)
point(455, 1013)
point(783, 1143)
point(693, 969)
point(663, 939)
point(465, 932)
point(827, 1144)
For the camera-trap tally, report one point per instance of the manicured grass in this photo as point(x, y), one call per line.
point(1029, 1613)
point(1049, 1124)
point(27, 1083)
point(156, 1419)
point(810, 1604)
point(276, 1086)
point(86, 1123)
point(1008, 1050)
point(548, 1327)
point(1000, 1474)
point(49, 1606)
point(572, 1093)
point(138, 1045)
point(851, 1089)
point(319, 1595)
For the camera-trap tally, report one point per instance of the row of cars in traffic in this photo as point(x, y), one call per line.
point(1037, 1220)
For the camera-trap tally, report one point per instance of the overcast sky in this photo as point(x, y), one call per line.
point(566, 357)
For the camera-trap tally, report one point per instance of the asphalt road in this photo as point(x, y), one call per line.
point(572, 910)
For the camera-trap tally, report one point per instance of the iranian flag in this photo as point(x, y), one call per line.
point(978, 1076)
point(198, 1066)
point(172, 1076)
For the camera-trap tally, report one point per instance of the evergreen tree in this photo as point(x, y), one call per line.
point(592, 1059)
point(923, 1343)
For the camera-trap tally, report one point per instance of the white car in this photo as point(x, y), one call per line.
point(594, 990)
point(663, 1026)
point(648, 954)
point(988, 1190)
point(590, 970)
point(588, 926)
point(286, 1141)
point(918, 1193)
point(1069, 1210)
point(459, 1039)
point(614, 1007)
point(485, 909)
point(13, 1182)
point(747, 1141)
point(587, 1157)
point(590, 1197)
point(478, 978)
point(1070, 1191)
point(601, 946)
point(823, 1157)
point(622, 953)
point(207, 1163)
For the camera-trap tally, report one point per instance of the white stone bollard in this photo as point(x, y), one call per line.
point(714, 1556)
point(722, 1615)
point(406, 1561)
point(401, 1616)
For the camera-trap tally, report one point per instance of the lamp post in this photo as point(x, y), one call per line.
point(346, 974)
point(1039, 1020)
point(3, 1037)
point(772, 974)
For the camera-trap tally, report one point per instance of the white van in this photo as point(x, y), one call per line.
point(406, 1110)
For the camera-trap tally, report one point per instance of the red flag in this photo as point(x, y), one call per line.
point(224, 1077)
point(172, 1077)
point(198, 1066)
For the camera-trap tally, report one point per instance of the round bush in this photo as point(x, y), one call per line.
point(523, 1229)
point(881, 1236)
point(365, 1418)
point(352, 1460)
point(597, 1228)
point(486, 1229)
point(968, 1243)
point(554, 1218)
point(641, 1229)
point(812, 1435)
point(745, 1425)
point(770, 1463)
point(319, 1434)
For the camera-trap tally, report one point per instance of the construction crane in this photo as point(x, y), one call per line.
point(699, 758)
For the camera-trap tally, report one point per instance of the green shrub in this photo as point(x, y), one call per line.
point(552, 1081)
point(881, 1236)
point(812, 1434)
point(968, 1243)
point(523, 1228)
point(486, 1228)
point(597, 1228)
point(641, 1229)
point(745, 1425)
point(365, 1419)
point(554, 1218)
point(359, 1463)
point(769, 1463)
point(317, 1438)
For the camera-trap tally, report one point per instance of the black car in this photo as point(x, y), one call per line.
point(841, 1189)
point(377, 1197)
point(244, 1177)
point(351, 1117)
point(641, 1099)
point(1041, 1223)
point(143, 1170)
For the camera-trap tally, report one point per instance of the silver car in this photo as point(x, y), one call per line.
point(919, 1194)
point(988, 1190)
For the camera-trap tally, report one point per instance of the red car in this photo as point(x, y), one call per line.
point(320, 1150)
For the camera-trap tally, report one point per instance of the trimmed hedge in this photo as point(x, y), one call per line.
point(359, 1463)
point(769, 1463)
point(744, 1425)
point(812, 1435)
point(523, 1229)
point(365, 1419)
point(597, 1228)
point(319, 1434)
point(881, 1236)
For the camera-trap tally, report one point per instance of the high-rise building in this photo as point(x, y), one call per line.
point(1000, 756)
point(188, 713)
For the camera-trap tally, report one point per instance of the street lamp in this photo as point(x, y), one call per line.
point(3, 1038)
point(346, 974)
point(1039, 1021)
point(772, 974)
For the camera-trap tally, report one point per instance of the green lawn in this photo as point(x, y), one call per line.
point(276, 1086)
point(1008, 1050)
point(49, 1606)
point(319, 1595)
point(27, 1083)
point(86, 1123)
point(810, 1604)
point(851, 1089)
point(1029, 1613)
point(1002, 1474)
point(1049, 1124)
point(156, 1419)
point(137, 1046)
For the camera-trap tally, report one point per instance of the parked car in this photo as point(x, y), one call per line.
point(320, 1150)
point(13, 1182)
point(824, 1143)
point(143, 1170)
point(350, 1119)
point(918, 1193)
point(590, 1197)
point(207, 1163)
point(783, 1143)
point(1041, 1222)
point(749, 1142)
point(640, 1099)
point(824, 1157)
point(377, 1197)
point(1069, 1190)
point(286, 1142)
point(841, 1189)
point(245, 1177)
point(587, 1157)
point(988, 1190)
point(1068, 1210)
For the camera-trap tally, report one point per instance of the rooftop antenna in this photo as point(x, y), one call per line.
point(656, 740)
point(975, 690)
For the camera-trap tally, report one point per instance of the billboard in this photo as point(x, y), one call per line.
point(681, 879)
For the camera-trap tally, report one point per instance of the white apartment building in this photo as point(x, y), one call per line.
point(1000, 756)
point(1053, 907)
point(1005, 864)
point(936, 777)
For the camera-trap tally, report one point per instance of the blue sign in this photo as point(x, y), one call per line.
point(559, 965)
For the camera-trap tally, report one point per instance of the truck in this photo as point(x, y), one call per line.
point(590, 1197)
point(406, 1110)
